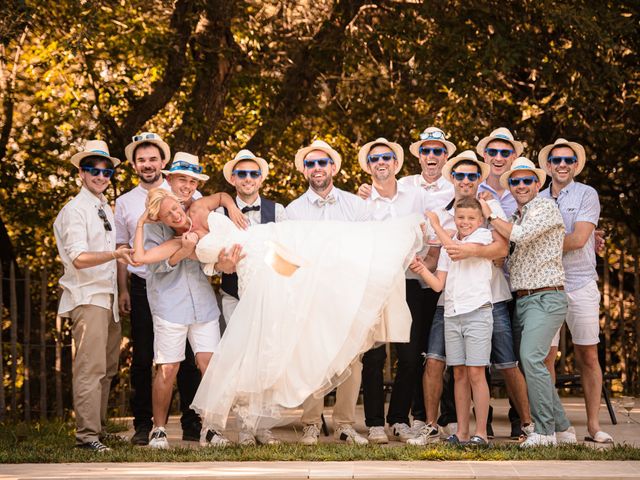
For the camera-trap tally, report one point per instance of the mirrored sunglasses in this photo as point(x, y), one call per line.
point(558, 160)
point(105, 220)
point(180, 165)
point(387, 157)
point(255, 174)
point(320, 162)
point(493, 152)
point(460, 176)
point(514, 182)
point(432, 136)
point(94, 172)
point(146, 136)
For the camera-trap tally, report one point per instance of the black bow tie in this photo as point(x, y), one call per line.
point(246, 209)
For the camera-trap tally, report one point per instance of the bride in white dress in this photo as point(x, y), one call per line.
point(295, 334)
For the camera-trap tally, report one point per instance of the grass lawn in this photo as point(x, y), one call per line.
point(52, 442)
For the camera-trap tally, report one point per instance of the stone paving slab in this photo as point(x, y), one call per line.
point(566, 470)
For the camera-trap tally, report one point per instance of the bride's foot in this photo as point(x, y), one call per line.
point(211, 438)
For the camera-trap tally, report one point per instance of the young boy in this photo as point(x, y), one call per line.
point(468, 317)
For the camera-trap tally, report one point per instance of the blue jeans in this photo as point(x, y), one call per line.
point(503, 354)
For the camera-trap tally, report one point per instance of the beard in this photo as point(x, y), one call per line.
point(320, 184)
point(154, 179)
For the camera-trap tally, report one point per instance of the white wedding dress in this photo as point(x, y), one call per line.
point(291, 337)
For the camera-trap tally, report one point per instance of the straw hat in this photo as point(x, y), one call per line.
point(467, 155)
point(93, 148)
point(227, 170)
point(186, 164)
point(502, 134)
point(148, 137)
point(395, 148)
point(432, 134)
point(317, 145)
point(561, 142)
point(518, 165)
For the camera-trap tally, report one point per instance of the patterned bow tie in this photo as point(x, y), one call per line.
point(431, 186)
point(246, 209)
point(321, 202)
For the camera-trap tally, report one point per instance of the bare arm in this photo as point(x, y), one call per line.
point(435, 281)
point(579, 237)
point(156, 254)
point(124, 300)
point(203, 206)
point(93, 259)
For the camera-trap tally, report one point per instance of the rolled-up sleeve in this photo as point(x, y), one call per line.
point(74, 233)
point(122, 233)
point(154, 236)
point(536, 222)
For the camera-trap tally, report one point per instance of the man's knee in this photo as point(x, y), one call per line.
point(587, 357)
point(166, 372)
point(435, 367)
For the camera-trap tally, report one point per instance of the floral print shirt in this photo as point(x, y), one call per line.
point(538, 233)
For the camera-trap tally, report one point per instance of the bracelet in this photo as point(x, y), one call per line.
point(139, 226)
point(113, 254)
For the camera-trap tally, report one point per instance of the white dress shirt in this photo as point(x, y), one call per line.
point(129, 208)
point(254, 216)
point(439, 193)
point(338, 205)
point(78, 228)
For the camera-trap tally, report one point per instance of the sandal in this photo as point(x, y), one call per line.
point(453, 440)
point(477, 441)
point(599, 437)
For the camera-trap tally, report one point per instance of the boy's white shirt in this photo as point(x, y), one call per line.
point(468, 284)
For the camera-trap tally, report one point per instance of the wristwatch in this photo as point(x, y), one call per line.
point(491, 217)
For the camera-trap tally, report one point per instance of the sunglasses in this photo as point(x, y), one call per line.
point(320, 162)
point(460, 176)
point(514, 182)
point(180, 165)
point(105, 220)
point(559, 160)
point(436, 151)
point(94, 172)
point(387, 157)
point(244, 173)
point(146, 136)
point(493, 152)
point(432, 136)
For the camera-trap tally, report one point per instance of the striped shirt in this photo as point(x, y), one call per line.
point(578, 203)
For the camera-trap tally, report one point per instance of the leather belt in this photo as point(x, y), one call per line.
point(524, 293)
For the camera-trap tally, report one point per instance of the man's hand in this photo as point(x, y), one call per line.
point(486, 209)
point(599, 242)
point(485, 196)
point(364, 191)
point(460, 251)
point(227, 261)
point(499, 262)
point(238, 218)
point(124, 303)
point(123, 255)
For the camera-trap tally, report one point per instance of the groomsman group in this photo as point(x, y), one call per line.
point(549, 278)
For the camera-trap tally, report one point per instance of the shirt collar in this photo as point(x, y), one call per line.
point(314, 197)
point(98, 202)
point(564, 191)
point(439, 184)
point(400, 188)
point(241, 204)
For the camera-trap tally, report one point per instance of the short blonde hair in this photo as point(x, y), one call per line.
point(154, 200)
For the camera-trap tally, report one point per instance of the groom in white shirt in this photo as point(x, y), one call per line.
point(319, 163)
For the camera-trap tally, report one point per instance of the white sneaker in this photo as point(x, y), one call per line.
point(538, 440)
point(310, 434)
point(402, 431)
point(417, 426)
point(378, 435)
point(211, 438)
point(429, 434)
point(266, 437)
point(159, 438)
point(245, 437)
point(348, 434)
point(528, 429)
point(567, 437)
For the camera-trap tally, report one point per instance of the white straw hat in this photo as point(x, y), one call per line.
point(186, 164)
point(503, 134)
point(317, 145)
point(94, 148)
point(518, 165)
point(396, 148)
point(433, 134)
point(227, 170)
point(148, 137)
point(561, 142)
point(469, 156)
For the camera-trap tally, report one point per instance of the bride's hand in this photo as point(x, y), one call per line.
point(189, 240)
point(238, 218)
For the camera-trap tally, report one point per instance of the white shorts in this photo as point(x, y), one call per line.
point(170, 339)
point(583, 316)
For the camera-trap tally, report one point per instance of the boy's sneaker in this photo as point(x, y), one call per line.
point(211, 438)
point(159, 438)
point(567, 437)
point(429, 434)
point(417, 426)
point(310, 434)
point(95, 446)
point(266, 437)
point(245, 437)
point(378, 435)
point(348, 434)
point(402, 431)
point(539, 440)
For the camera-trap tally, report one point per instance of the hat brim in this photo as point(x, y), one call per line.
point(77, 158)
point(128, 150)
point(227, 170)
point(396, 148)
point(482, 144)
point(414, 148)
point(540, 173)
point(448, 167)
point(543, 156)
point(303, 152)
point(198, 176)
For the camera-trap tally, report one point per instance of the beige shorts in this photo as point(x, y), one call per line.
point(170, 339)
point(583, 316)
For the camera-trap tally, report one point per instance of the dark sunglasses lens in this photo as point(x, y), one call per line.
point(458, 176)
point(492, 152)
point(373, 159)
point(473, 176)
point(241, 174)
point(322, 163)
point(255, 175)
point(387, 158)
point(527, 181)
point(505, 153)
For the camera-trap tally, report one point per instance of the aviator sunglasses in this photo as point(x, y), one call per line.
point(255, 174)
point(94, 171)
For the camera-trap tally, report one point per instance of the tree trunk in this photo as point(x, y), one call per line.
point(636, 304)
point(606, 294)
point(3, 407)
point(26, 353)
point(13, 309)
point(58, 367)
point(43, 345)
point(624, 350)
